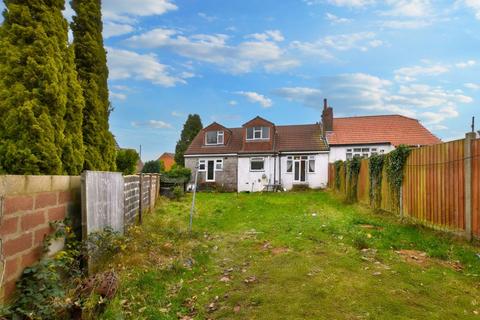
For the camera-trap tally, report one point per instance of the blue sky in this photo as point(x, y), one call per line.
point(232, 60)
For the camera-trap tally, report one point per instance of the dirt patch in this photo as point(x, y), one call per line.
point(414, 257)
point(370, 227)
point(267, 246)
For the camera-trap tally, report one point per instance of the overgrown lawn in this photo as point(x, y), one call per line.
point(304, 255)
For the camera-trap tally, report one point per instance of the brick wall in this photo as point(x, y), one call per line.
point(27, 205)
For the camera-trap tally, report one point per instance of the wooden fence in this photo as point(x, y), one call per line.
point(441, 186)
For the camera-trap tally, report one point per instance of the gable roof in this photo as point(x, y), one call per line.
point(392, 129)
point(167, 154)
point(286, 138)
point(258, 119)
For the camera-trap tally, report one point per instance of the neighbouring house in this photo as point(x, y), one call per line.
point(168, 160)
point(368, 135)
point(261, 154)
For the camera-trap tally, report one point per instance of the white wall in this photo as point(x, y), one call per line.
point(317, 179)
point(255, 180)
point(340, 152)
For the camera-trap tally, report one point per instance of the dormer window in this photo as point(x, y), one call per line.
point(258, 133)
point(214, 137)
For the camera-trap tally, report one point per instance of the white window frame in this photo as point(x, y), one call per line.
point(218, 162)
point(289, 159)
point(258, 130)
point(257, 159)
point(311, 158)
point(220, 134)
point(363, 151)
point(200, 163)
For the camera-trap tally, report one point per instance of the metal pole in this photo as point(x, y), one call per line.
point(193, 199)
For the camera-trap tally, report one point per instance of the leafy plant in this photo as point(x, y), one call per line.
point(353, 169)
point(100, 246)
point(376, 174)
point(177, 192)
point(127, 161)
point(395, 162)
point(338, 165)
point(153, 166)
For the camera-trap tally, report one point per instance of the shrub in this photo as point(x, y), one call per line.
point(177, 193)
point(353, 169)
point(178, 172)
point(376, 174)
point(127, 160)
point(153, 166)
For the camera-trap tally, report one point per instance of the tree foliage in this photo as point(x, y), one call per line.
point(127, 160)
point(191, 128)
point(91, 61)
point(38, 87)
point(153, 166)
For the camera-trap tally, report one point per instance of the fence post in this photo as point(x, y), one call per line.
point(151, 204)
point(140, 203)
point(469, 137)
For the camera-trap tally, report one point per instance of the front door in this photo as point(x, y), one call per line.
point(211, 170)
point(300, 169)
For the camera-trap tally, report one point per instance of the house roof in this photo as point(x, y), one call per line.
point(167, 154)
point(286, 138)
point(393, 129)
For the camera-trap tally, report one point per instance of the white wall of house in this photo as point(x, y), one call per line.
point(317, 179)
point(340, 152)
point(254, 181)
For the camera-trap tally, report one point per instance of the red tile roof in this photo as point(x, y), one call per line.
point(393, 129)
point(286, 138)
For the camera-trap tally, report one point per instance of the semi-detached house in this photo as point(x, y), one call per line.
point(261, 154)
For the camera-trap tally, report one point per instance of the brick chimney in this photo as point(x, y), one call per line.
point(327, 117)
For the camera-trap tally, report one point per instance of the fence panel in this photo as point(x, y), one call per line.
point(434, 183)
point(132, 199)
point(331, 175)
point(363, 188)
point(102, 201)
point(476, 187)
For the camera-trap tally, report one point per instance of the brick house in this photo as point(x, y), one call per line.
point(261, 153)
point(168, 160)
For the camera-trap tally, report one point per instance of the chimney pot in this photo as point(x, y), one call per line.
point(325, 104)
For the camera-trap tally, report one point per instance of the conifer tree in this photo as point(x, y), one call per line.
point(91, 62)
point(191, 128)
point(33, 87)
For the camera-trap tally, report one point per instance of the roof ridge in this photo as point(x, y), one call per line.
point(377, 115)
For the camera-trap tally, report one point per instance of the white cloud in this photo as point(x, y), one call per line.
point(232, 102)
point(255, 97)
point(262, 50)
point(408, 8)
point(405, 24)
point(359, 91)
point(362, 41)
point(410, 73)
point(346, 3)
point(206, 17)
point(335, 19)
point(119, 10)
point(475, 6)
point(466, 64)
point(155, 124)
point(118, 96)
point(473, 86)
point(177, 114)
point(112, 29)
point(125, 64)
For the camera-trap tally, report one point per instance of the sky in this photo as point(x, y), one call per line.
point(230, 61)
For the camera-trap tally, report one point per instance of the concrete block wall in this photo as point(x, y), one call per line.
point(27, 206)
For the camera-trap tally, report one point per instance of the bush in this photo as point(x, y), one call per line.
point(153, 166)
point(178, 193)
point(127, 160)
point(178, 172)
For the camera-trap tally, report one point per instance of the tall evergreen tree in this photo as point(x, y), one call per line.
point(91, 61)
point(34, 69)
point(191, 128)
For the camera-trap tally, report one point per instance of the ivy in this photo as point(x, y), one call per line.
point(353, 169)
point(338, 164)
point(376, 163)
point(396, 163)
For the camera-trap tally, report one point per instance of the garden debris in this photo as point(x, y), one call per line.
point(225, 279)
point(250, 279)
point(369, 254)
point(279, 250)
point(213, 306)
point(414, 256)
point(104, 284)
point(236, 309)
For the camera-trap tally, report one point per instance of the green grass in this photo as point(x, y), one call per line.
point(303, 250)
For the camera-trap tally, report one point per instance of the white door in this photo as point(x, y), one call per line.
point(300, 169)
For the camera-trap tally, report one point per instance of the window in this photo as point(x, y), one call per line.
point(201, 165)
point(349, 156)
point(214, 137)
point(311, 164)
point(258, 133)
point(219, 164)
point(257, 164)
point(289, 164)
point(363, 152)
